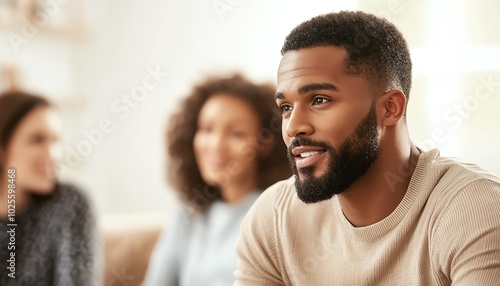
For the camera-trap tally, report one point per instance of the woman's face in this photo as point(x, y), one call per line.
point(225, 143)
point(33, 151)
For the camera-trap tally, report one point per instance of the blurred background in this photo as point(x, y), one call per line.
point(128, 63)
point(117, 69)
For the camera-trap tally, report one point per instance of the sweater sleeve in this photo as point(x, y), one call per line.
point(164, 264)
point(257, 247)
point(466, 246)
point(77, 255)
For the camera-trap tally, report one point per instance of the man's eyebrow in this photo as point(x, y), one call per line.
point(310, 87)
point(279, 95)
point(317, 86)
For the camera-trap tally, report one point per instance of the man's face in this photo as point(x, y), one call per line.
point(329, 122)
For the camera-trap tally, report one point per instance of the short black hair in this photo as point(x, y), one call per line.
point(376, 49)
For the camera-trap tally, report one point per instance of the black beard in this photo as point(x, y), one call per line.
point(355, 156)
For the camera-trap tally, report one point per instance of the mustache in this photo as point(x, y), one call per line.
point(303, 141)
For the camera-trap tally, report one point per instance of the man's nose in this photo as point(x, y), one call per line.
point(298, 124)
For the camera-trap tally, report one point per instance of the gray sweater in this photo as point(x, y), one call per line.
point(55, 242)
point(199, 250)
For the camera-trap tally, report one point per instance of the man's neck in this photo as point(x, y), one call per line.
point(377, 194)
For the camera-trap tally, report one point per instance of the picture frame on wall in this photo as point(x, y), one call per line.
point(8, 78)
point(6, 12)
point(53, 16)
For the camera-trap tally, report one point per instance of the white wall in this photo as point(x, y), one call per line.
point(455, 46)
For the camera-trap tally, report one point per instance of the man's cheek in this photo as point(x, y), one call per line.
point(286, 138)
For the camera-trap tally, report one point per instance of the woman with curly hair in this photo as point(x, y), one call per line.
point(47, 229)
point(224, 149)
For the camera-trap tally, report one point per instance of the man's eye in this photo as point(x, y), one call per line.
point(285, 108)
point(319, 100)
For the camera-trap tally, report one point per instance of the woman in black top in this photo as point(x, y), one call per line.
point(47, 229)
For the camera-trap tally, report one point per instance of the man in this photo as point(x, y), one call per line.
point(365, 205)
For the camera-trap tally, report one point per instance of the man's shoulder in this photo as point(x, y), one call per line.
point(273, 201)
point(279, 193)
point(461, 185)
point(280, 197)
point(454, 175)
point(464, 224)
point(458, 169)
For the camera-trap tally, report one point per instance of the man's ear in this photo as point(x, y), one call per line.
point(392, 106)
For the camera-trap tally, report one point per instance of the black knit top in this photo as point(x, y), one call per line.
point(55, 242)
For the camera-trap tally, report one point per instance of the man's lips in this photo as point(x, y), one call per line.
point(306, 156)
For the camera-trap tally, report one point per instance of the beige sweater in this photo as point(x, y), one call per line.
point(445, 231)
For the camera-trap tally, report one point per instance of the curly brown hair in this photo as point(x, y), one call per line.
point(182, 169)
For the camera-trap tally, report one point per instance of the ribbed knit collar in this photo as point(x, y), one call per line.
point(413, 200)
